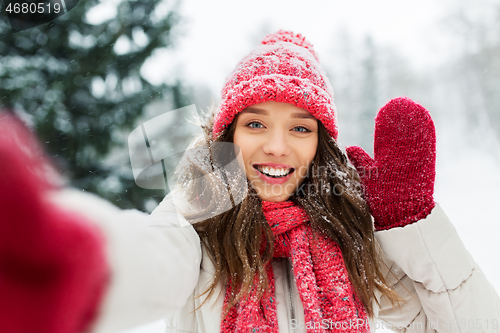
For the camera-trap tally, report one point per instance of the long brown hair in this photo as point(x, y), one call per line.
point(234, 238)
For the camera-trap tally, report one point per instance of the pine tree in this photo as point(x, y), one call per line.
point(79, 85)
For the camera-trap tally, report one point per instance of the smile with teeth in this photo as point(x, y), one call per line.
point(273, 172)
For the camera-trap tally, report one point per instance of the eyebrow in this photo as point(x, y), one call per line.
point(305, 115)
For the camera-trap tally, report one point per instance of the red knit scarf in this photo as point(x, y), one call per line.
point(330, 303)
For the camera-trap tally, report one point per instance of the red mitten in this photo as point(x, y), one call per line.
point(53, 270)
point(399, 182)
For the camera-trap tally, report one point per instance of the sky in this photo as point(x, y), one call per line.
point(215, 35)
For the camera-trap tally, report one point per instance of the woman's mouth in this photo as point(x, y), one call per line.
point(273, 175)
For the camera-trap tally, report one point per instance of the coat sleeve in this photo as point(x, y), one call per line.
point(154, 259)
point(444, 288)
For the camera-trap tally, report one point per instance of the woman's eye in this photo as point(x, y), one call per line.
point(305, 130)
point(254, 122)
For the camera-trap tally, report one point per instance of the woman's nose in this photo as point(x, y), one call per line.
point(277, 144)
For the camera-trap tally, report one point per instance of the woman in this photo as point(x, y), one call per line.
point(296, 249)
point(298, 252)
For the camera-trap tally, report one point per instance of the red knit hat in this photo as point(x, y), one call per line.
point(284, 68)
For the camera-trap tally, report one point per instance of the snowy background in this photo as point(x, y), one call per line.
point(83, 81)
point(429, 38)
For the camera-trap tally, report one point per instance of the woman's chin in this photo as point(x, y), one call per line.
point(274, 198)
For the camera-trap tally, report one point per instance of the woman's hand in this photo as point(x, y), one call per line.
point(399, 182)
point(53, 270)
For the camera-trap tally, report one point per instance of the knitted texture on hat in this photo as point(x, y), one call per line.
point(320, 274)
point(288, 36)
point(399, 181)
point(284, 68)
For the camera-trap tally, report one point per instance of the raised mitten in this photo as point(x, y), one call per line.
point(53, 271)
point(399, 181)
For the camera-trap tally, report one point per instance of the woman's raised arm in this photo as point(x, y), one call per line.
point(72, 262)
point(448, 290)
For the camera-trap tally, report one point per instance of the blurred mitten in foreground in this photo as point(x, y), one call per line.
point(53, 270)
point(399, 181)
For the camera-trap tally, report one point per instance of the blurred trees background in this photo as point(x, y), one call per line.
point(474, 71)
point(462, 92)
point(365, 75)
point(78, 83)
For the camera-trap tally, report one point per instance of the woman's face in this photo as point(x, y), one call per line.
point(278, 142)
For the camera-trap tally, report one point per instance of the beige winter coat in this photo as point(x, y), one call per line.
point(158, 267)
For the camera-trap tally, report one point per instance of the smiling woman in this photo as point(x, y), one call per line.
point(300, 252)
point(272, 136)
point(310, 244)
